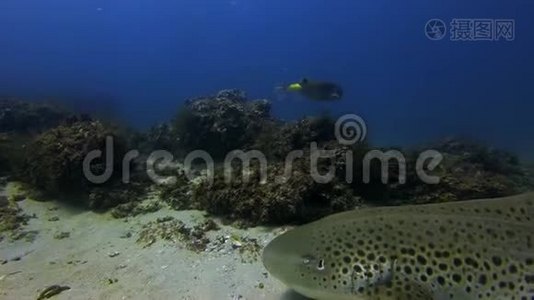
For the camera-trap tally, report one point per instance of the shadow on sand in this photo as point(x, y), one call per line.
point(292, 295)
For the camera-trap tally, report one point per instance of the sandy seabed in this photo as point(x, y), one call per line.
point(102, 260)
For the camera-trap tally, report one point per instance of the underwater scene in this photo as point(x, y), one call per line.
point(281, 150)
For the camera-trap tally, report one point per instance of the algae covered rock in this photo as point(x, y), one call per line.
point(12, 149)
point(158, 137)
point(221, 123)
point(468, 171)
point(12, 218)
point(179, 194)
point(296, 198)
point(278, 139)
point(172, 230)
point(54, 160)
point(24, 117)
point(281, 198)
point(229, 121)
point(20, 121)
point(134, 208)
point(488, 158)
point(124, 197)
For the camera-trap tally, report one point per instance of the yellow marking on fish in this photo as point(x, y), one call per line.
point(478, 249)
point(294, 87)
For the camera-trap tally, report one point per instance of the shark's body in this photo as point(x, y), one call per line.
point(478, 249)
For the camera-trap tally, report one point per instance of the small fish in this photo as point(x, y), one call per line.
point(478, 249)
point(316, 90)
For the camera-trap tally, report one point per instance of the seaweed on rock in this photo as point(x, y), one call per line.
point(278, 139)
point(54, 160)
point(26, 117)
point(221, 123)
point(12, 149)
point(20, 121)
point(179, 194)
point(468, 171)
point(124, 197)
point(159, 137)
point(296, 198)
point(12, 217)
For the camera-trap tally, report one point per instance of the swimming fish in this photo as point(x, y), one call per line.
point(316, 90)
point(477, 249)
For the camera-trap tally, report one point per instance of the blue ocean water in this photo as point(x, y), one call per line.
point(139, 60)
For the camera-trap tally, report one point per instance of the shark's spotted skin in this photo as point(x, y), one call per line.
point(479, 249)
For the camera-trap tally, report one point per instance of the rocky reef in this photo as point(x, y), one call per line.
point(472, 170)
point(171, 229)
point(20, 121)
point(221, 123)
point(12, 218)
point(468, 170)
point(45, 145)
point(280, 199)
point(25, 117)
point(52, 162)
point(280, 138)
point(12, 149)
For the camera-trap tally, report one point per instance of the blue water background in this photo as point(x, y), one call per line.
point(138, 60)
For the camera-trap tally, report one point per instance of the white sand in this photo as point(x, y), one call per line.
point(164, 270)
